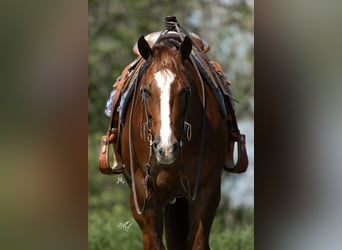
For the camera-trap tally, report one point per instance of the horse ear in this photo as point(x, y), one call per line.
point(185, 48)
point(144, 48)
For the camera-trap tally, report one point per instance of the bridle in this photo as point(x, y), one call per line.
point(146, 127)
point(146, 134)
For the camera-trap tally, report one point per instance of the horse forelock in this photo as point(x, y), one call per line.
point(166, 56)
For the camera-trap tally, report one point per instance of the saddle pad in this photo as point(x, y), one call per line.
point(127, 95)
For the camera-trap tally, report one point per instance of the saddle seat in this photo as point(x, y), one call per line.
point(153, 37)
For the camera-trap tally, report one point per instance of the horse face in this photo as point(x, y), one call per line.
point(165, 97)
point(165, 101)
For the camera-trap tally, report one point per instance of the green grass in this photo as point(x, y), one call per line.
point(237, 239)
point(108, 206)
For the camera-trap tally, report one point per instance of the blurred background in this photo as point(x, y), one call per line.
point(113, 27)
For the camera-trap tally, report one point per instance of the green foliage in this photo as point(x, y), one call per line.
point(114, 26)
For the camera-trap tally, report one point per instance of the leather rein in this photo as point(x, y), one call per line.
point(146, 133)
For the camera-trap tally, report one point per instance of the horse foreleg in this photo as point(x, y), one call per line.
point(151, 224)
point(177, 224)
point(202, 215)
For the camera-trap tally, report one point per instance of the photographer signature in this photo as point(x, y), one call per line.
point(125, 225)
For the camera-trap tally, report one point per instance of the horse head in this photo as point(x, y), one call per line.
point(165, 90)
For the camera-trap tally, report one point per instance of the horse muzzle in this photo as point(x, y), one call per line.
point(166, 153)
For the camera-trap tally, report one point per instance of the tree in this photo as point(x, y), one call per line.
point(114, 26)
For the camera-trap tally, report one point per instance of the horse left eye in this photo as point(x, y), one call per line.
point(145, 91)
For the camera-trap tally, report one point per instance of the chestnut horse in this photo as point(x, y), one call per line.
point(174, 142)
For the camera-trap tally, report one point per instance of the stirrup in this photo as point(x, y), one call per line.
point(118, 168)
point(103, 162)
point(242, 162)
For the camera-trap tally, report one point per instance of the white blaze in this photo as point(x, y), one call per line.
point(164, 78)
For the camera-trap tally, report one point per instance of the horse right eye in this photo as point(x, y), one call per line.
point(145, 92)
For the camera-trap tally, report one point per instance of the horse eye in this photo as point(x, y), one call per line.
point(186, 91)
point(144, 91)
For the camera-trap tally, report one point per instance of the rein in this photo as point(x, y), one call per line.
point(147, 177)
point(184, 178)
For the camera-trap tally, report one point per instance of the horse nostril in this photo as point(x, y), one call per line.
point(155, 145)
point(161, 151)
